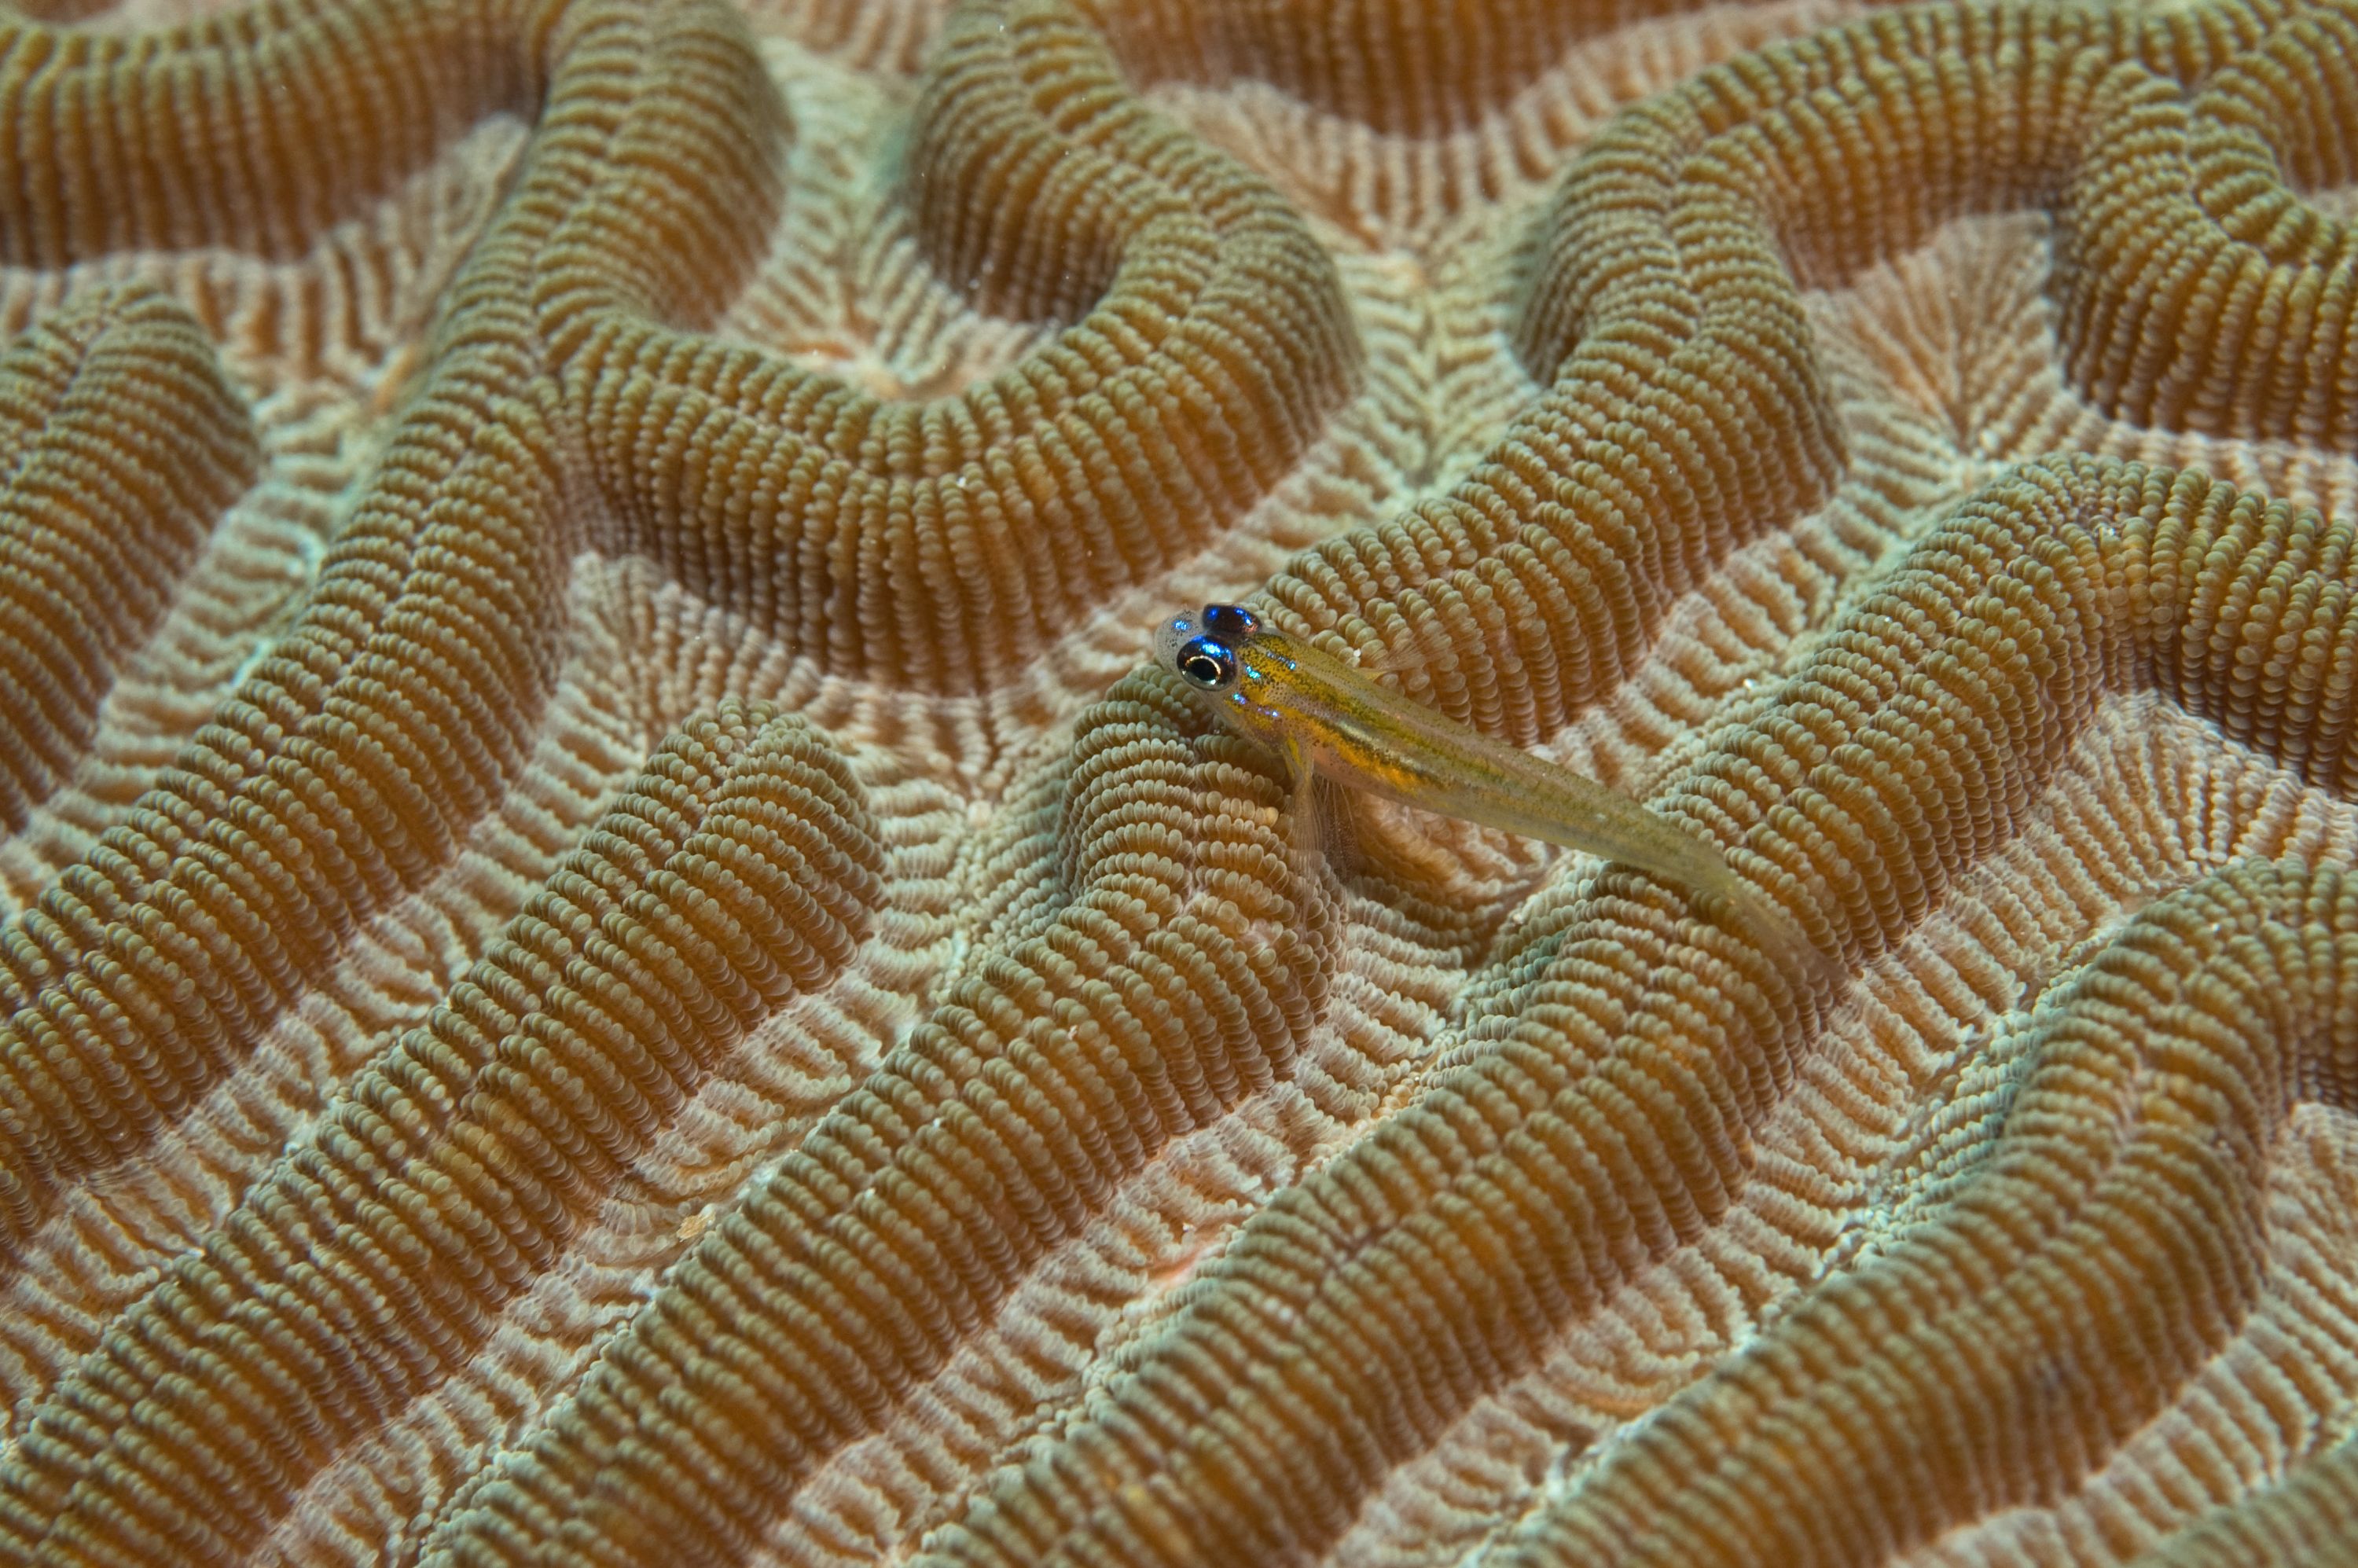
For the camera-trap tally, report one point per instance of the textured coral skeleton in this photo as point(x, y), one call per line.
point(612, 955)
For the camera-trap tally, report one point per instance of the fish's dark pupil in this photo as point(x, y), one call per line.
point(1206, 663)
point(1229, 620)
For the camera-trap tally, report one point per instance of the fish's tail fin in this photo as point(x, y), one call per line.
point(1812, 969)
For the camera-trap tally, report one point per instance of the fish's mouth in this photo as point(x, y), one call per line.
point(1175, 634)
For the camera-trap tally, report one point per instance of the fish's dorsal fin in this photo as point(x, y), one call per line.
point(1479, 666)
point(1404, 646)
point(1399, 645)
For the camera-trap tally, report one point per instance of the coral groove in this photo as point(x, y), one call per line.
point(1389, 64)
point(1148, 1005)
point(1435, 1260)
point(1208, 342)
point(253, 130)
point(738, 870)
point(121, 445)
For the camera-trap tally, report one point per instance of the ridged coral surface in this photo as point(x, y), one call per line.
point(609, 954)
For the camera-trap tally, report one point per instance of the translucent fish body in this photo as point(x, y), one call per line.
point(1330, 720)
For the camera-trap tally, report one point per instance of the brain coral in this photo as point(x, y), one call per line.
point(608, 953)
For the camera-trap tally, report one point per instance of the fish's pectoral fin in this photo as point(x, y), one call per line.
point(1302, 807)
point(1319, 818)
point(1335, 809)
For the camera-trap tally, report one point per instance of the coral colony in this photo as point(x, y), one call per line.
point(614, 951)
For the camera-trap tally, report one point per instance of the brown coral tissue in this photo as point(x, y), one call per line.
point(610, 953)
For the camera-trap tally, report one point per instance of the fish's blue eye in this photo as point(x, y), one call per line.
point(1232, 620)
point(1207, 662)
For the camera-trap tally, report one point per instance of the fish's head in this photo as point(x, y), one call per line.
point(1206, 649)
point(1174, 635)
point(1222, 651)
